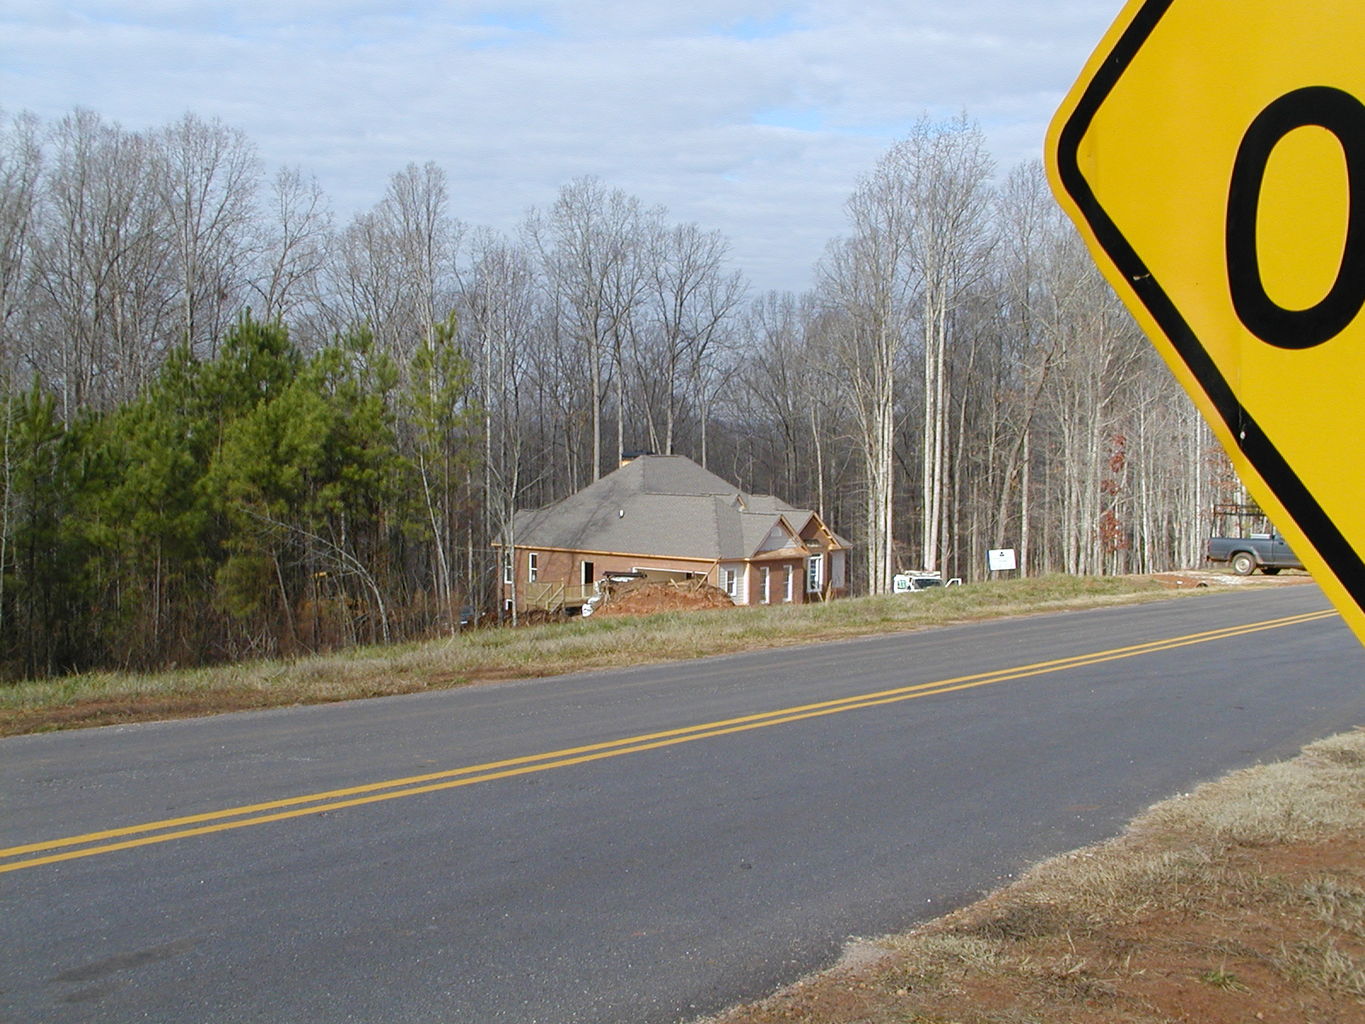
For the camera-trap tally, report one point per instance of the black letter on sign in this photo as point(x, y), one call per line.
point(1344, 116)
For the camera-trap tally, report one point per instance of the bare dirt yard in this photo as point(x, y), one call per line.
point(1194, 578)
point(1240, 903)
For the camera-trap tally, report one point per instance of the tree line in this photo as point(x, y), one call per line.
point(233, 426)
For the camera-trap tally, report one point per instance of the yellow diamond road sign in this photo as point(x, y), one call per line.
point(1213, 156)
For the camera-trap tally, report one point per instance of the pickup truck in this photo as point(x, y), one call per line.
point(914, 582)
point(1268, 552)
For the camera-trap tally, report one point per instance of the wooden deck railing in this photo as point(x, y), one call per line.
point(553, 597)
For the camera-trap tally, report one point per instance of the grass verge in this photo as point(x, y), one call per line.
point(103, 698)
point(1242, 902)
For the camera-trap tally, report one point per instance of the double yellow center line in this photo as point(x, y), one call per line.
point(31, 855)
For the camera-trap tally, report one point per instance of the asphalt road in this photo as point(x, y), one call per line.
point(634, 846)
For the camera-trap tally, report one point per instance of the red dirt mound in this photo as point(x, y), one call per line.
point(645, 597)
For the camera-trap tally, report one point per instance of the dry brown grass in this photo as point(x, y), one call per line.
point(1242, 902)
point(482, 655)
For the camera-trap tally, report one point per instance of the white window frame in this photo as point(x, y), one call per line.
point(532, 566)
point(815, 573)
point(789, 583)
point(765, 585)
point(729, 578)
point(507, 568)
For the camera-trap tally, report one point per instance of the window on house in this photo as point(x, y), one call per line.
point(788, 582)
point(588, 577)
point(763, 585)
point(731, 580)
point(533, 566)
point(814, 573)
point(507, 567)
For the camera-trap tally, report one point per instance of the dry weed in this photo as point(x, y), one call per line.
point(1336, 903)
point(1093, 888)
point(1320, 793)
point(936, 953)
point(1322, 964)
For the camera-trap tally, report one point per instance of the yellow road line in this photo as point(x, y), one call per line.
point(133, 836)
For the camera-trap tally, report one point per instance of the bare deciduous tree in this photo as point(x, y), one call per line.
point(869, 278)
point(693, 298)
point(207, 182)
point(589, 244)
point(20, 166)
point(104, 270)
point(293, 246)
point(945, 169)
point(503, 318)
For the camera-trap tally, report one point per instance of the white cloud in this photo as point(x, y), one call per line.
point(755, 117)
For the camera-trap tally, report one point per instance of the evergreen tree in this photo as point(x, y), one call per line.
point(42, 588)
point(307, 478)
point(148, 520)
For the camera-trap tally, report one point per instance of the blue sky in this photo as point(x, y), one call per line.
point(752, 117)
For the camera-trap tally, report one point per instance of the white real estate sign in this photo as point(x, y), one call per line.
point(1001, 559)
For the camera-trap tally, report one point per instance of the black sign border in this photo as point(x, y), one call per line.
point(1258, 449)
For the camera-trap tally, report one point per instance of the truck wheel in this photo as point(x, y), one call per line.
point(1243, 563)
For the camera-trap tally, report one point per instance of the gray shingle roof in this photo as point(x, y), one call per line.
point(663, 505)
